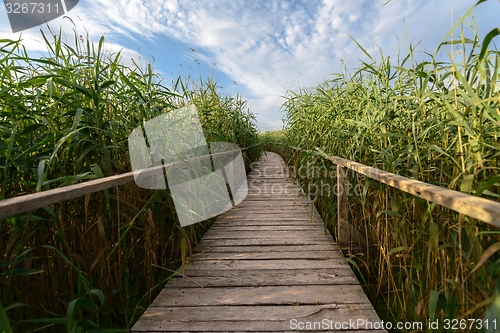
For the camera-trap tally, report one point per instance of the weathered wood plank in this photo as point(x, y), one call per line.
point(262, 318)
point(273, 215)
point(310, 255)
point(219, 234)
point(265, 312)
point(272, 209)
point(269, 203)
point(279, 189)
point(267, 241)
point(324, 272)
point(276, 223)
point(267, 264)
point(268, 295)
point(202, 248)
point(298, 220)
point(228, 227)
point(255, 278)
point(249, 329)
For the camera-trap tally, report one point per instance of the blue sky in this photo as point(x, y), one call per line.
point(261, 48)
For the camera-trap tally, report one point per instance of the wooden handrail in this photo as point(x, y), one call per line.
point(25, 203)
point(479, 208)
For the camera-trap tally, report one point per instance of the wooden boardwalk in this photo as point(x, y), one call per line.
point(264, 266)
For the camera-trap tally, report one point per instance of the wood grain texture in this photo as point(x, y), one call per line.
point(253, 318)
point(266, 266)
point(259, 278)
point(204, 247)
point(482, 209)
point(342, 208)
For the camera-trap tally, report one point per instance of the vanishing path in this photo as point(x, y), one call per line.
point(264, 266)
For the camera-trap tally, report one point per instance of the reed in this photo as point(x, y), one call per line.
point(93, 262)
point(435, 121)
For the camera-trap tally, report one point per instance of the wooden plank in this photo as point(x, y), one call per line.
point(279, 189)
point(257, 188)
point(219, 234)
point(270, 183)
point(269, 195)
point(202, 248)
point(270, 198)
point(306, 223)
point(268, 264)
point(286, 211)
point(282, 216)
point(268, 295)
point(229, 227)
point(268, 203)
point(254, 278)
point(267, 176)
point(311, 255)
point(241, 329)
point(254, 179)
point(273, 205)
point(251, 319)
point(241, 221)
point(277, 277)
point(290, 210)
point(270, 215)
point(267, 241)
point(299, 218)
point(265, 312)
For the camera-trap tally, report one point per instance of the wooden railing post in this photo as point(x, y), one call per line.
point(343, 238)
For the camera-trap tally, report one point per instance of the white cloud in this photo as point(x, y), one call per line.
point(77, 23)
point(269, 46)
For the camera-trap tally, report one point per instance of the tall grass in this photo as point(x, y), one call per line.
point(95, 261)
point(435, 121)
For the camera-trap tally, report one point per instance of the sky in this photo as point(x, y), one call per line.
point(261, 49)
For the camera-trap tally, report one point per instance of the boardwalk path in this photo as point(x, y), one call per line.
point(265, 266)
